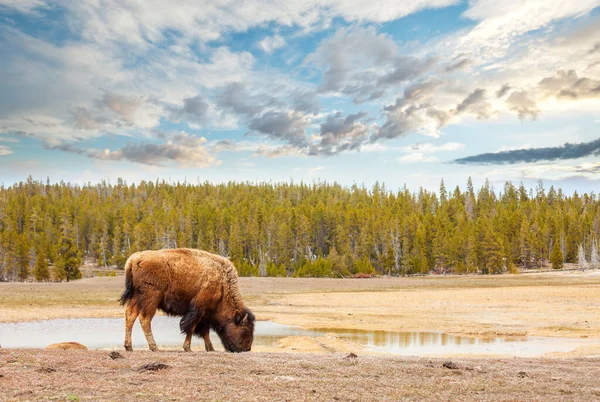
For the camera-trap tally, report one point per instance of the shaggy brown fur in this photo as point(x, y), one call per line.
point(198, 286)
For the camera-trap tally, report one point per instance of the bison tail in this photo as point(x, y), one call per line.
point(128, 293)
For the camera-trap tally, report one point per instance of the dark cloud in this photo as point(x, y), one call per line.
point(339, 133)
point(241, 100)
point(564, 152)
point(404, 120)
point(285, 126)
point(461, 64)
point(195, 108)
point(596, 48)
point(519, 102)
point(503, 91)
point(194, 111)
point(416, 93)
point(363, 64)
point(594, 169)
point(475, 103)
point(224, 145)
point(182, 148)
point(306, 102)
point(235, 98)
point(405, 69)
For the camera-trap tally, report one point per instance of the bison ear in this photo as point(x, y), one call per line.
point(237, 318)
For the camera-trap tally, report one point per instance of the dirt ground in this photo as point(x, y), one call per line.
point(93, 375)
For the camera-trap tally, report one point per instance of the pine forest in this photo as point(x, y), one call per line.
point(48, 230)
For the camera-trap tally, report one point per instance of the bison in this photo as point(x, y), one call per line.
point(196, 285)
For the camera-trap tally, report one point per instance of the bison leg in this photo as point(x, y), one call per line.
point(206, 336)
point(188, 325)
point(146, 321)
point(148, 307)
point(131, 315)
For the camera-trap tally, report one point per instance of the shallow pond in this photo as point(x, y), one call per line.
point(108, 333)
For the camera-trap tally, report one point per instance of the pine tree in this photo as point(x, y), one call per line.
point(69, 257)
point(22, 258)
point(41, 271)
point(556, 258)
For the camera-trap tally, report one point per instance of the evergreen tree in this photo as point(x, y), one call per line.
point(556, 258)
point(22, 257)
point(41, 270)
point(69, 257)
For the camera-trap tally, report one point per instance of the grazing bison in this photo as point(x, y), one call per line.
point(198, 286)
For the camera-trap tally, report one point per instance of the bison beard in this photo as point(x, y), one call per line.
point(198, 286)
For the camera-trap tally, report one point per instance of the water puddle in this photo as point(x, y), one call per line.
point(108, 333)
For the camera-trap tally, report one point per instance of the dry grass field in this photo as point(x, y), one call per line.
point(565, 304)
point(562, 304)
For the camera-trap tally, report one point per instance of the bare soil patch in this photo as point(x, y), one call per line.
point(93, 375)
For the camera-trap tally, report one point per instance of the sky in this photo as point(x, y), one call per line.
point(353, 91)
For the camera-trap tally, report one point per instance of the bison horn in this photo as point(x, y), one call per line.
point(245, 319)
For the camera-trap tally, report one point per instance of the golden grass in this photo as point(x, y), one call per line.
point(553, 304)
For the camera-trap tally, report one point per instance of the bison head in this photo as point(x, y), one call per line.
point(238, 333)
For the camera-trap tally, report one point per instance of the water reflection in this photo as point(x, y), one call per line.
point(99, 333)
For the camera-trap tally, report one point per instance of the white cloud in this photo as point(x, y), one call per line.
point(502, 22)
point(23, 6)
point(4, 150)
point(271, 43)
point(417, 157)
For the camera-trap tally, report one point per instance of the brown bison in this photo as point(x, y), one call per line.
point(198, 286)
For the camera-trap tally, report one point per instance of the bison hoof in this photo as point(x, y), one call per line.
point(128, 348)
point(153, 348)
point(188, 349)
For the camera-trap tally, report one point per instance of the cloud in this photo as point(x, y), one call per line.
point(414, 112)
point(278, 151)
point(564, 152)
point(185, 150)
point(417, 157)
point(271, 43)
point(194, 111)
point(124, 106)
point(475, 103)
point(503, 91)
point(22, 6)
point(423, 152)
point(364, 64)
point(520, 103)
point(567, 84)
point(238, 98)
point(4, 150)
point(461, 64)
point(596, 48)
point(502, 23)
point(339, 133)
point(306, 102)
point(285, 126)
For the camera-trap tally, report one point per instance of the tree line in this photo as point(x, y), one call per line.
point(320, 229)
